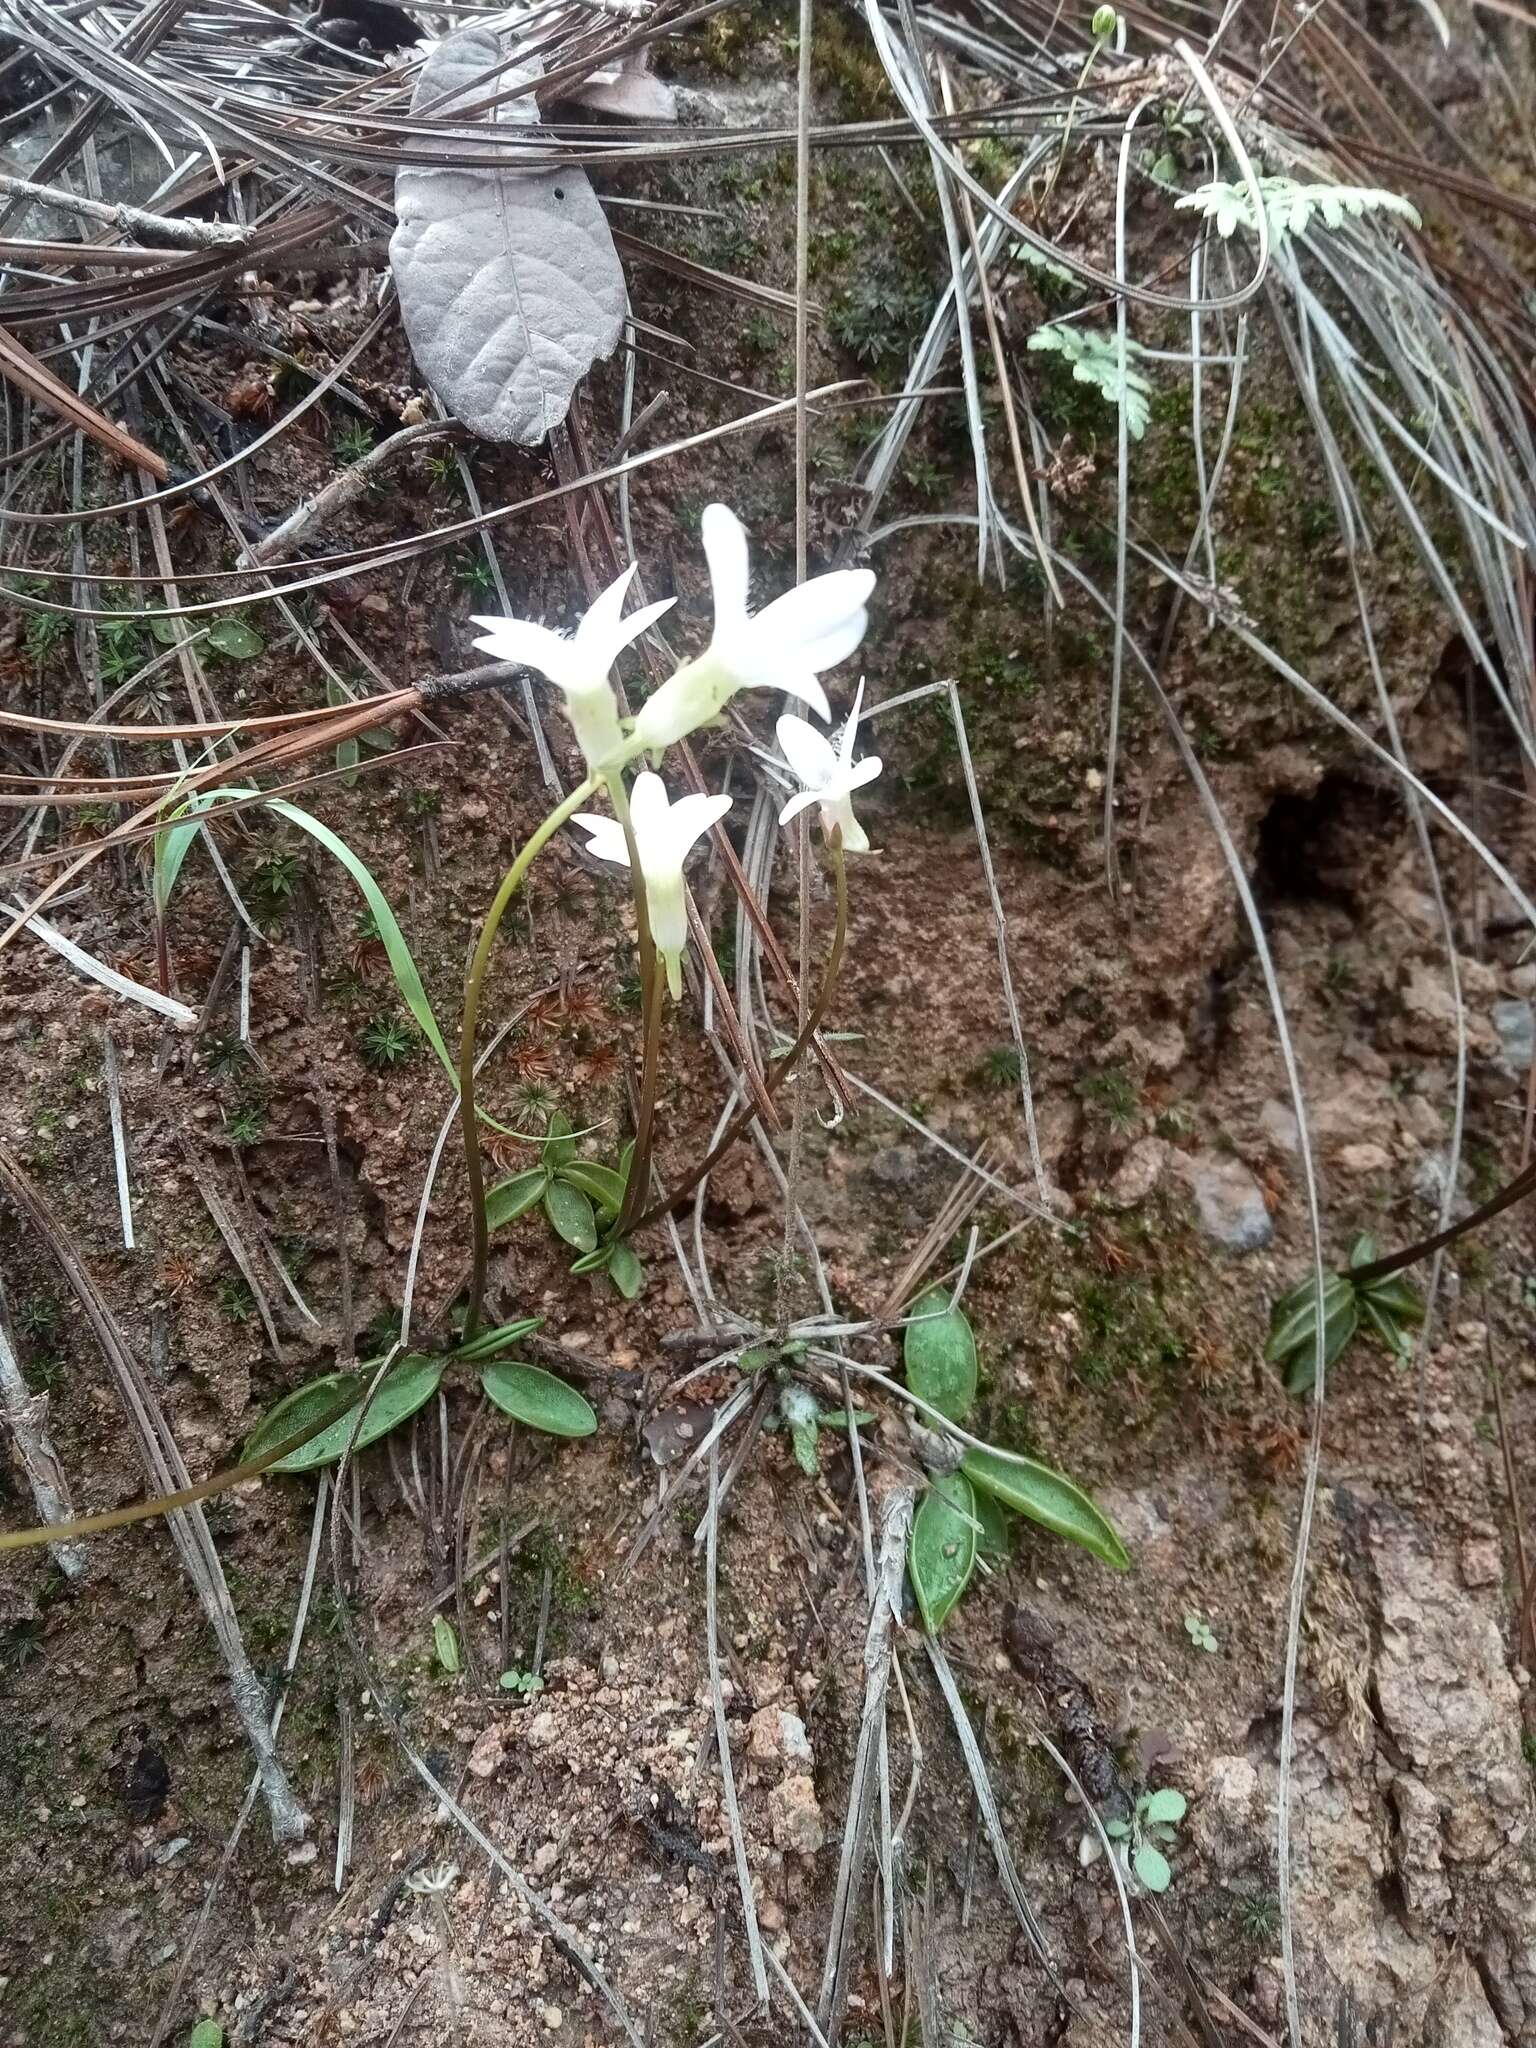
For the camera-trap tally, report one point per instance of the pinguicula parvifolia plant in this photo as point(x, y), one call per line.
point(787, 646)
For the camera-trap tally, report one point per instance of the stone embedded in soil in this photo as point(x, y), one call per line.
point(1138, 1173)
point(1364, 1160)
point(794, 1815)
point(1228, 1201)
point(1515, 1023)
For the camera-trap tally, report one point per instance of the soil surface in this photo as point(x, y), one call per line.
point(506, 1637)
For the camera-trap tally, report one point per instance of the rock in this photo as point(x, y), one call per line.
point(489, 1752)
point(1228, 1200)
point(794, 1815)
point(1227, 1823)
point(1277, 1120)
point(1138, 1173)
point(1459, 2014)
point(543, 1731)
point(1515, 1024)
point(1482, 1562)
point(1364, 1160)
point(772, 1733)
point(545, 1857)
point(1158, 1050)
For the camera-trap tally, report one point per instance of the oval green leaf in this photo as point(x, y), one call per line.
point(570, 1214)
point(593, 1261)
point(940, 1354)
point(1340, 1324)
point(235, 638)
point(206, 2034)
point(407, 1386)
point(602, 1186)
point(489, 1342)
point(559, 1146)
point(512, 1198)
point(446, 1644)
point(1164, 1808)
point(1151, 1867)
point(992, 1527)
point(538, 1399)
point(942, 1554)
point(1046, 1497)
point(626, 1271)
point(296, 1411)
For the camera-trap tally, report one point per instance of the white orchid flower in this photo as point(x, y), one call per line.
point(828, 776)
point(664, 837)
point(785, 647)
point(579, 664)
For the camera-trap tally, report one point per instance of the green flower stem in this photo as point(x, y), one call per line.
point(780, 1070)
point(651, 991)
point(512, 881)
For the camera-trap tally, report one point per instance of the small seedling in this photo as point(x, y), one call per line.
point(351, 441)
point(445, 1646)
point(275, 878)
point(581, 1199)
point(525, 1683)
point(1002, 1067)
point(473, 574)
point(385, 1042)
point(1388, 1306)
point(1140, 1841)
point(1198, 1629)
point(45, 631)
point(246, 1122)
point(237, 1304)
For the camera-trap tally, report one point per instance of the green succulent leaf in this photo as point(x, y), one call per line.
point(408, 1385)
point(1293, 1320)
point(1164, 1808)
point(235, 638)
point(1048, 1498)
point(803, 1437)
point(1152, 1868)
point(593, 1261)
point(602, 1186)
point(942, 1552)
point(940, 1354)
point(992, 1525)
point(570, 1215)
point(537, 1399)
point(446, 1644)
point(511, 1198)
point(1341, 1323)
point(559, 1147)
point(626, 1271)
point(1387, 1328)
point(489, 1342)
point(1397, 1295)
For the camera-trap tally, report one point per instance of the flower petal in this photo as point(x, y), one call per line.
point(795, 683)
point(607, 840)
point(648, 808)
point(797, 804)
point(691, 817)
point(725, 550)
point(520, 640)
point(851, 729)
point(808, 753)
point(602, 618)
point(863, 771)
point(819, 623)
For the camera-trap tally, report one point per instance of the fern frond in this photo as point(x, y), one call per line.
point(1095, 359)
point(1290, 206)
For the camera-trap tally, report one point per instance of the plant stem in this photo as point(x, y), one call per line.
point(780, 1069)
point(1066, 134)
point(638, 1179)
point(511, 882)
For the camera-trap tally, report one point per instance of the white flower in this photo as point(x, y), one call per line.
point(785, 647)
point(664, 837)
point(829, 778)
point(579, 664)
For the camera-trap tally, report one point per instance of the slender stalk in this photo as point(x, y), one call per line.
point(780, 1069)
point(511, 882)
point(650, 986)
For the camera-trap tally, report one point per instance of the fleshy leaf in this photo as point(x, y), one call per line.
point(446, 1644)
point(1151, 1867)
point(940, 1354)
point(602, 1186)
point(1340, 1324)
point(489, 1342)
point(559, 1147)
point(236, 639)
point(942, 1553)
point(570, 1215)
point(408, 1385)
point(1046, 1497)
point(992, 1525)
point(537, 1399)
point(626, 1271)
point(1164, 1808)
point(509, 1199)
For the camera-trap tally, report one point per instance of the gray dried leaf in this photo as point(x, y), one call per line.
point(510, 286)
